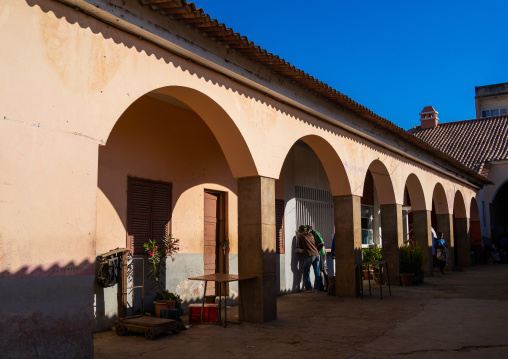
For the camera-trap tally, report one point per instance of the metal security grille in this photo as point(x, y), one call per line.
point(315, 207)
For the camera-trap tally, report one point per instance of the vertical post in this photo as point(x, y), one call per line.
point(392, 232)
point(423, 236)
point(445, 225)
point(348, 244)
point(256, 248)
point(463, 243)
point(122, 286)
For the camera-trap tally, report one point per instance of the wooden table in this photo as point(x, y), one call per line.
point(221, 278)
point(380, 265)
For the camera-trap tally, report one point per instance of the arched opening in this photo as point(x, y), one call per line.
point(311, 175)
point(476, 233)
point(441, 221)
point(381, 217)
point(417, 220)
point(461, 243)
point(414, 201)
point(169, 167)
point(499, 214)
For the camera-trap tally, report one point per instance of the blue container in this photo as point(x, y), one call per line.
point(170, 314)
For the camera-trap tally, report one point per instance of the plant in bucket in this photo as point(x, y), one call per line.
point(411, 263)
point(370, 255)
point(168, 296)
point(157, 254)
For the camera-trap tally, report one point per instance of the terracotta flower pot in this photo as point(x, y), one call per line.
point(163, 304)
point(367, 273)
point(407, 279)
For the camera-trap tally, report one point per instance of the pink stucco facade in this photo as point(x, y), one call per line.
point(85, 105)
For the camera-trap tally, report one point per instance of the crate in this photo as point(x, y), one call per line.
point(209, 313)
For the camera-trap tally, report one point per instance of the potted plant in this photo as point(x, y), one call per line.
point(370, 255)
point(157, 254)
point(411, 263)
point(170, 296)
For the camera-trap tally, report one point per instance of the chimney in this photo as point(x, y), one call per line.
point(428, 117)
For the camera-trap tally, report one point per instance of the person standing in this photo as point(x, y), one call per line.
point(441, 252)
point(320, 245)
point(307, 242)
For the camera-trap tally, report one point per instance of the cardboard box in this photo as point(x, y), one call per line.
point(209, 313)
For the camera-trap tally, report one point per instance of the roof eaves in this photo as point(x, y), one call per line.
point(198, 19)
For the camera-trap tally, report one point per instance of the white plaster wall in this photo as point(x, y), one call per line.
point(302, 167)
point(490, 103)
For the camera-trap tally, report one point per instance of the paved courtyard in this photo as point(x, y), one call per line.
point(458, 315)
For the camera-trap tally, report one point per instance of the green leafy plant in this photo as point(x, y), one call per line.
point(157, 255)
point(167, 295)
point(371, 255)
point(411, 259)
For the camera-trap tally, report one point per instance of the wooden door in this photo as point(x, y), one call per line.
point(215, 244)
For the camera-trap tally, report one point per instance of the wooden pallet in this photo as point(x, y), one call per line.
point(150, 326)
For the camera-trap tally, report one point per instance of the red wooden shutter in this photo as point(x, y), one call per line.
point(138, 203)
point(161, 209)
point(279, 226)
point(148, 212)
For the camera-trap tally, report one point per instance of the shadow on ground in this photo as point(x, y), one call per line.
point(460, 314)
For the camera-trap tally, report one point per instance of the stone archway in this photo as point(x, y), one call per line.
point(499, 225)
point(181, 139)
point(390, 216)
point(442, 219)
point(421, 220)
point(314, 181)
point(461, 245)
point(217, 119)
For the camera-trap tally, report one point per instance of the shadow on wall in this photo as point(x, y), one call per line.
point(47, 311)
point(148, 49)
point(296, 267)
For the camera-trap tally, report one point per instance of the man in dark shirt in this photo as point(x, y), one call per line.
point(307, 242)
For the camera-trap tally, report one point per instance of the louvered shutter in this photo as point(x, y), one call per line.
point(279, 226)
point(161, 208)
point(138, 204)
point(149, 212)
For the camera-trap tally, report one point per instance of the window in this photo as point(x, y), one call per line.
point(148, 212)
point(367, 224)
point(494, 112)
point(503, 111)
point(485, 113)
point(315, 207)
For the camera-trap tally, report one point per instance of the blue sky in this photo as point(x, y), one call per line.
point(394, 57)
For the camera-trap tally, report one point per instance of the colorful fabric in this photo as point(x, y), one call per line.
point(320, 244)
point(308, 243)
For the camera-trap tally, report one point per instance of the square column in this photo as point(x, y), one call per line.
point(393, 237)
point(445, 225)
point(463, 243)
point(423, 236)
point(348, 244)
point(256, 248)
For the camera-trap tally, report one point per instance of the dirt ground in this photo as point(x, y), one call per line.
point(462, 314)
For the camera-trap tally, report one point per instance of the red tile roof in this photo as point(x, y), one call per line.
point(187, 13)
point(472, 142)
